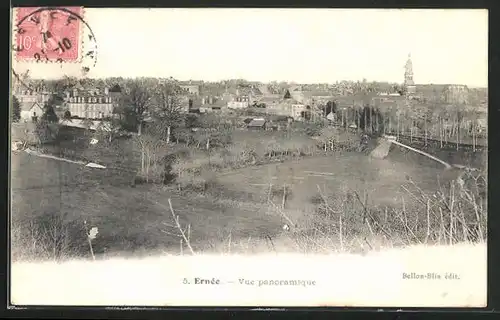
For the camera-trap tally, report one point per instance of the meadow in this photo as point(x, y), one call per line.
point(235, 198)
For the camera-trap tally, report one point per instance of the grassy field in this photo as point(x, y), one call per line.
point(47, 192)
point(380, 178)
point(328, 197)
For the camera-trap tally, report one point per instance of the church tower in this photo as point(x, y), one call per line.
point(409, 84)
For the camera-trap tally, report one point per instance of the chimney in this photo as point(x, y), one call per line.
point(67, 95)
point(106, 91)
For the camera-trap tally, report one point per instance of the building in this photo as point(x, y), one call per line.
point(27, 97)
point(288, 107)
point(191, 104)
point(92, 104)
point(239, 102)
point(270, 100)
point(217, 105)
point(208, 100)
point(257, 124)
point(311, 97)
point(31, 111)
point(409, 84)
point(190, 87)
point(31, 101)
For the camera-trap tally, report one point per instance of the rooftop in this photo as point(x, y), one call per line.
point(257, 122)
point(28, 106)
point(318, 94)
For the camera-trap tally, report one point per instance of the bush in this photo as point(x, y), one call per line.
point(49, 114)
point(310, 129)
point(453, 214)
point(192, 121)
point(47, 236)
point(67, 115)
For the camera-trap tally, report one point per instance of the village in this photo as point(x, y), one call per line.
point(406, 108)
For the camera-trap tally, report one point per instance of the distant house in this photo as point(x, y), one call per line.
point(209, 99)
point(92, 104)
point(287, 107)
point(218, 105)
point(31, 101)
point(190, 87)
point(227, 97)
point(192, 104)
point(270, 101)
point(239, 102)
point(308, 97)
point(257, 124)
point(29, 96)
point(31, 112)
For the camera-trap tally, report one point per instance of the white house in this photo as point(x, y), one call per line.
point(31, 112)
point(239, 102)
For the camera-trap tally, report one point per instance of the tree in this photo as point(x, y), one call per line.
point(152, 144)
point(191, 121)
point(137, 99)
point(45, 131)
point(287, 95)
point(16, 109)
point(67, 115)
point(330, 107)
point(214, 131)
point(49, 114)
point(108, 129)
point(371, 120)
point(167, 111)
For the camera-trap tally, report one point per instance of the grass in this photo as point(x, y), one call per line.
point(339, 202)
point(129, 219)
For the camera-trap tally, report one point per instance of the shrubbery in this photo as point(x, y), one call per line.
point(455, 213)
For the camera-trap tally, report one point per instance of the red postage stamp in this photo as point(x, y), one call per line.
point(48, 34)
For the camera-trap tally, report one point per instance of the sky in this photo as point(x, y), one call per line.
point(301, 45)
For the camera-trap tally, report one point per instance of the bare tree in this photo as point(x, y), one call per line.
point(139, 97)
point(152, 145)
point(167, 109)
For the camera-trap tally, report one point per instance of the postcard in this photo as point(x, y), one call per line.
point(248, 157)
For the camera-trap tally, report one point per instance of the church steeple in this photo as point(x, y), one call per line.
point(408, 82)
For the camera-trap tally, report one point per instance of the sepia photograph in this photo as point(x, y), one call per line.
point(230, 157)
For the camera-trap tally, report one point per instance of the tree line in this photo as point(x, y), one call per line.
point(458, 123)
